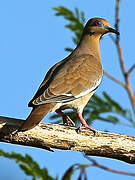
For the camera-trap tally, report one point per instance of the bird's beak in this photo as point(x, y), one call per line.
point(112, 30)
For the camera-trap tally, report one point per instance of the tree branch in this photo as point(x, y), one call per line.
point(96, 164)
point(131, 69)
point(114, 79)
point(121, 59)
point(47, 136)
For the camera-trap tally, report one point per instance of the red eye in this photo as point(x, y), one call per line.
point(97, 23)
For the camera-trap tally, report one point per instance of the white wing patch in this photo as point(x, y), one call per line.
point(89, 90)
point(63, 98)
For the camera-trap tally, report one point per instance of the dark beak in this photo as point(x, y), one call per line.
point(112, 30)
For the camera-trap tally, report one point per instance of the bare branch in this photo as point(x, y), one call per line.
point(121, 59)
point(126, 76)
point(117, 19)
point(95, 163)
point(131, 69)
point(47, 136)
point(114, 79)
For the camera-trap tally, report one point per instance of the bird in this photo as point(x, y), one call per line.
point(71, 82)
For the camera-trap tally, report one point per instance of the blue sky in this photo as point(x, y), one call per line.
point(32, 39)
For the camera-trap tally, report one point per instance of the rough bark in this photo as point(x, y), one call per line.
point(48, 136)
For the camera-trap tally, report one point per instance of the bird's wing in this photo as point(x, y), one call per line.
point(72, 79)
point(47, 80)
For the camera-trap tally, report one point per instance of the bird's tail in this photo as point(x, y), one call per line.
point(36, 115)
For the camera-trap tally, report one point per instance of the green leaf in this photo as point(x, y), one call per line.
point(28, 165)
point(31, 167)
point(76, 22)
point(107, 109)
point(69, 49)
point(102, 108)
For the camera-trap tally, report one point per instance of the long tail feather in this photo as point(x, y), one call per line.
point(36, 116)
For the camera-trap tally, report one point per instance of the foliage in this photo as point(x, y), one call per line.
point(28, 165)
point(32, 168)
point(76, 22)
point(102, 108)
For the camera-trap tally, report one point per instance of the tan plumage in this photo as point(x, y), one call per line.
point(36, 115)
point(71, 82)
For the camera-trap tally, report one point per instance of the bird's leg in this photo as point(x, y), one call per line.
point(66, 119)
point(84, 123)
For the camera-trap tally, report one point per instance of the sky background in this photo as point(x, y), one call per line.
point(32, 39)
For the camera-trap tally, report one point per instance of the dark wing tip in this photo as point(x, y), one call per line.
point(30, 104)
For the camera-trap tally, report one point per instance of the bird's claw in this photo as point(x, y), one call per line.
point(68, 122)
point(86, 127)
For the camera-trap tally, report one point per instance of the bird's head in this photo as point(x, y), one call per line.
point(98, 26)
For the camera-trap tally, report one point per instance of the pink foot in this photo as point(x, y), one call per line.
point(66, 119)
point(84, 123)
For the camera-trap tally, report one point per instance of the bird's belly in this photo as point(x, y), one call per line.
point(77, 104)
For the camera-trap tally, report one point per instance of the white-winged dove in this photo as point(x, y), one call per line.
point(70, 83)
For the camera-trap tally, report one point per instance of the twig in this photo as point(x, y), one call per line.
point(114, 79)
point(121, 59)
point(117, 19)
point(131, 69)
point(48, 136)
point(95, 163)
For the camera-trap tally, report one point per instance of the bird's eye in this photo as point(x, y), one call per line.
point(98, 23)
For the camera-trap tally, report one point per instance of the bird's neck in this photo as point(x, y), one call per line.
point(88, 45)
